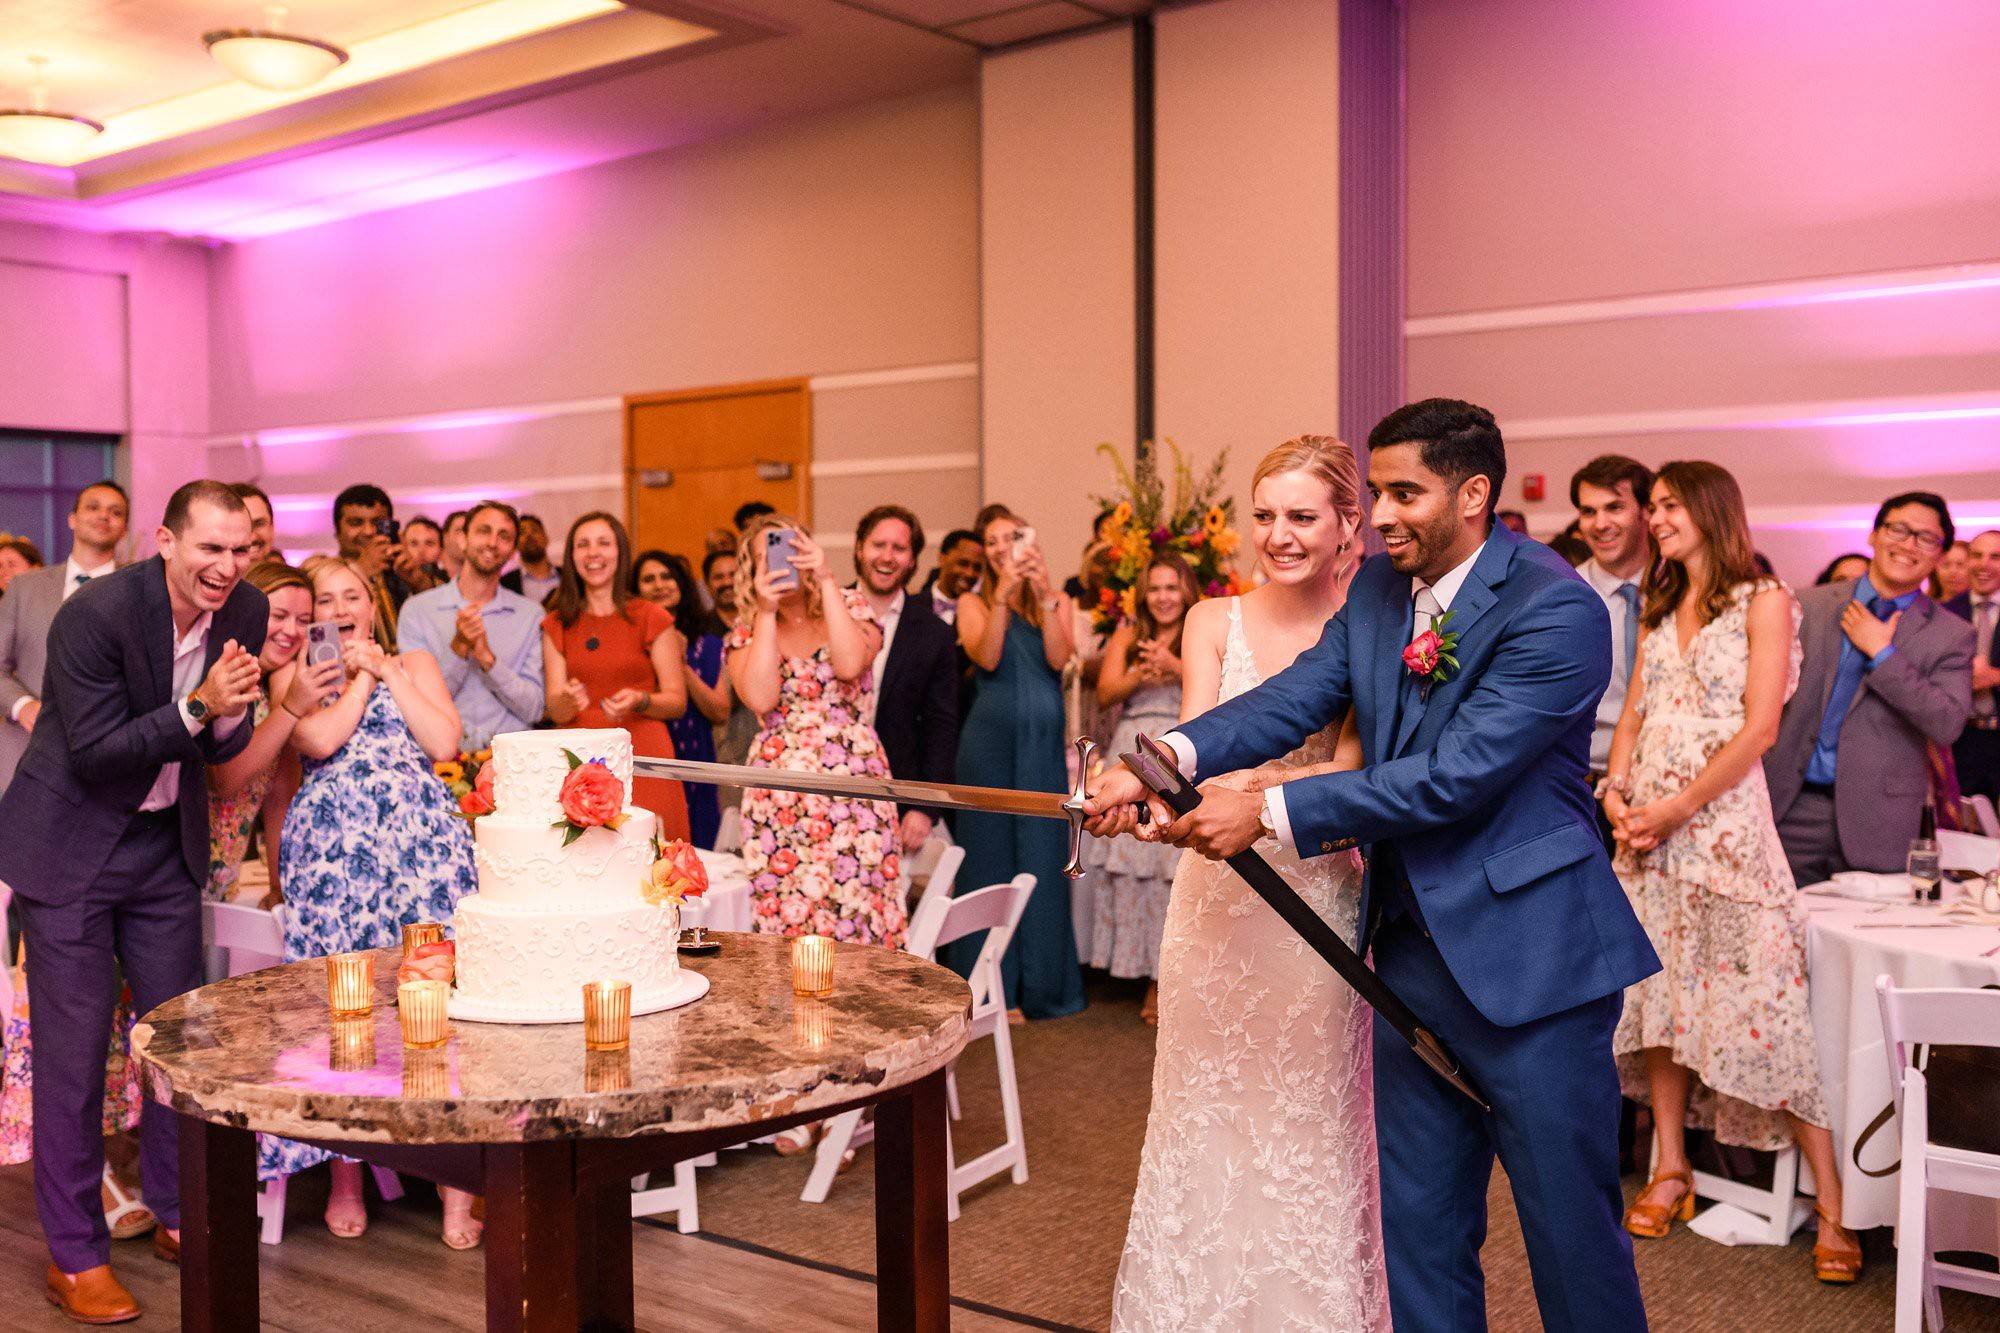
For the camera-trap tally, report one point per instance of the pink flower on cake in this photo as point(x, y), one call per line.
point(591, 797)
point(677, 873)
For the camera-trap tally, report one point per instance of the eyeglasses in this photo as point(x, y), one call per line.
point(1902, 532)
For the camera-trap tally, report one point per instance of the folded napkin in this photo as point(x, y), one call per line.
point(1862, 886)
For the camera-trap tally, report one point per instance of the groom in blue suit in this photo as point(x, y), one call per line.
point(1489, 902)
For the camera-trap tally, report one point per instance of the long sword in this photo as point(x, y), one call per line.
point(1155, 766)
point(903, 791)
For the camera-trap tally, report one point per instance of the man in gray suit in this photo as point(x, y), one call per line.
point(97, 524)
point(1886, 670)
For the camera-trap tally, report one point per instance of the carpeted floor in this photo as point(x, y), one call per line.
point(1048, 1250)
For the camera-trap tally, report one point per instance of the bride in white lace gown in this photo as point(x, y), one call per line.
point(1257, 1205)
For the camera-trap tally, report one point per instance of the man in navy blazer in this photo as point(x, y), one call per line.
point(1489, 901)
point(1978, 749)
point(104, 839)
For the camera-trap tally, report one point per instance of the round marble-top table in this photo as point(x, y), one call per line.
point(552, 1134)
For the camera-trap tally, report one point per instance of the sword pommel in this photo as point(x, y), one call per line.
point(1086, 750)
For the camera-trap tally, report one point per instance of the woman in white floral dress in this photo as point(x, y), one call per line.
point(1258, 1204)
point(1721, 1037)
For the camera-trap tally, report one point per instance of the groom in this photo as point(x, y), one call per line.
point(1489, 902)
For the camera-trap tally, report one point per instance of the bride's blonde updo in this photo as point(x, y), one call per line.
point(1332, 462)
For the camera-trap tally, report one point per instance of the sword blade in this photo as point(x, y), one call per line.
point(901, 791)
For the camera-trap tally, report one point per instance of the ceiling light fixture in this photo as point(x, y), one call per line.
point(270, 58)
point(36, 134)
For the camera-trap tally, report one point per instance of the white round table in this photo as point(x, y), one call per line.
point(1849, 944)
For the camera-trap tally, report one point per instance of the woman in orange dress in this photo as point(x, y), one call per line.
point(614, 660)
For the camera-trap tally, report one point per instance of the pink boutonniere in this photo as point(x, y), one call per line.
point(1429, 656)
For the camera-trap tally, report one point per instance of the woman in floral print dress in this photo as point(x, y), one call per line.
point(801, 657)
point(1721, 1037)
point(373, 841)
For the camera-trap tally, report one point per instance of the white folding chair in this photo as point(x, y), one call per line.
point(939, 920)
point(252, 938)
point(1912, 1019)
point(650, 1200)
point(1982, 814)
point(1967, 851)
point(1776, 1210)
point(729, 831)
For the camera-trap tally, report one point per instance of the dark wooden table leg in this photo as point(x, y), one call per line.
point(912, 1237)
point(604, 1254)
point(218, 1227)
point(531, 1270)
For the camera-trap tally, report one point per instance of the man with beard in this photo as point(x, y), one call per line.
point(538, 575)
point(916, 671)
point(487, 640)
point(104, 838)
point(960, 561)
point(1610, 493)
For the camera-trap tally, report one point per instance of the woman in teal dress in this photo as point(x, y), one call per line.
point(1016, 630)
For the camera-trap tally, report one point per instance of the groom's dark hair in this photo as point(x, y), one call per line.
point(1458, 440)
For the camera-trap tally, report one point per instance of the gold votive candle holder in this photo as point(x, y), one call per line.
point(607, 1015)
point(812, 966)
point(426, 1073)
point(420, 933)
point(350, 1045)
point(421, 1005)
point(350, 984)
point(607, 1071)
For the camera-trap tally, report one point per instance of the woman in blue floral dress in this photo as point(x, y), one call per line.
point(372, 841)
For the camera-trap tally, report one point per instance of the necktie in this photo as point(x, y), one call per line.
point(1846, 684)
point(82, 579)
point(1982, 621)
point(1628, 593)
point(1428, 610)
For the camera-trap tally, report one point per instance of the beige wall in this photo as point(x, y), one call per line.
point(1248, 199)
point(481, 344)
point(109, 333)
point(1750, 254)
point(1057, 279)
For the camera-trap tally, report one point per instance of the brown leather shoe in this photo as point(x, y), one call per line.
point(93, 1296)
point(166, 1246)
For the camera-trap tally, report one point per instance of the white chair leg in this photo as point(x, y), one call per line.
point(388, 1182)
point(687, 1217)
point(826, 1160)
point(1912, 1232)
point(950, 1176)
point(271, 1211)
point(1010, 1102)
point(951, 1093)
point(1784, 1195)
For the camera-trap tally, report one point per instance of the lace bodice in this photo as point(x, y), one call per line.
point(1240, 676)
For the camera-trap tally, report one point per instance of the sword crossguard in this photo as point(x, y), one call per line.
point(1086, 750)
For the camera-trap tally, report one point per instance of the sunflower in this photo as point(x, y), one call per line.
point(451, 771)
point(1215, 520)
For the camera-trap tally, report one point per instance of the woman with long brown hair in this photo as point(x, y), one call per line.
point(1142, 672)
point(1721, 1037)
point(611, 659)
point(1017, 629)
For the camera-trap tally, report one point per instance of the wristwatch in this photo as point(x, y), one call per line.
point(196, 709)
point(1265, 827)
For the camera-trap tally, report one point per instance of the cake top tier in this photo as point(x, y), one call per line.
point(529, 766)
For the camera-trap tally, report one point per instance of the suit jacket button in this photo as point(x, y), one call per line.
point(1326, 846)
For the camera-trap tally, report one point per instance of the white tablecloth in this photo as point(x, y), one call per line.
point(726, 906)
point(1849, 944)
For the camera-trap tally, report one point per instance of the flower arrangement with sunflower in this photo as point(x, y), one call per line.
point(1195, 521)
point(469, 778)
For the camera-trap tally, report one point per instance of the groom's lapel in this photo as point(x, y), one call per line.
point(1475, 597)
point(1392, 626)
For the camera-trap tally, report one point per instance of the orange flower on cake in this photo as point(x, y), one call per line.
point(591, 797)
point(677, 873)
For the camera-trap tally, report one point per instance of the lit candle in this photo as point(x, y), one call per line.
point(419, 933)
point(607, 1015)
point(421, 1005)
point(812, 966)
point(350, 984)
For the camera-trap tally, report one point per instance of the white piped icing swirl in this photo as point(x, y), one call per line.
point(529, 767)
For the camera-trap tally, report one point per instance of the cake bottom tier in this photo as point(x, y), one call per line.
point(523, 965)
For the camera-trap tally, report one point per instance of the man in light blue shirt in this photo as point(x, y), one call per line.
point(487, 640)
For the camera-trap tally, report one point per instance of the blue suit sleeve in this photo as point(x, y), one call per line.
point(86, 679)
point(1276, 717)
point(1548, 670)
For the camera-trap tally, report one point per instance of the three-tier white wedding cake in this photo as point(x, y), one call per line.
point(556, 907)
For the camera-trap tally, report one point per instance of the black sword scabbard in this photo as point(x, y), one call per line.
point(1156, 768)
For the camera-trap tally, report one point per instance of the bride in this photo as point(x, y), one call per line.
point(1257, 1203)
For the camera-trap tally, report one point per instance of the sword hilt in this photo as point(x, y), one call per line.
point(1086, 750)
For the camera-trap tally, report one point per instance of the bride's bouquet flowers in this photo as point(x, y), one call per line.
point(1195, 521)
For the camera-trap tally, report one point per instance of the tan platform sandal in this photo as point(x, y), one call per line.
point(1836, 1267)
point(125, 1213)
point(1651, 1221)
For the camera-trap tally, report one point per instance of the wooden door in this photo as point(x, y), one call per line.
point(693, 456)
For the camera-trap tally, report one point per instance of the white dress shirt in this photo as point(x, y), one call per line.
point(188, 652)
point(1606, 584)
point(1445, 589)
point(1985, 619)
point(74, 577)
point(888, 620)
